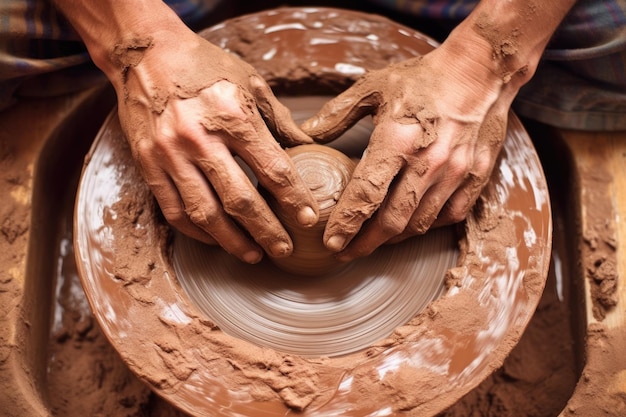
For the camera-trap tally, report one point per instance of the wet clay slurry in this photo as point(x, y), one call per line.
point(311, 304)
point(326, 172)
point(421, 368)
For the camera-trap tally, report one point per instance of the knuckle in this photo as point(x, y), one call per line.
point(199, 217)
point(420, 224)
point(457, 212)
point(175, 216)
point(459, 205)
point(460, 165)
point(142, 149)
point(202, 215)
point(438, 159)
point(419, 227)
point(391, 226)
point(278, 172)
point(240, 203)
point(258, 84)
point(369, 194)
point(482, 167)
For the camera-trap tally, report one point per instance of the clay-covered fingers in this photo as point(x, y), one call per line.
point(490, 138)
point(343, 111)
point(418, 192)
point(366, 190)
point(276, 172)
point(190, 204)
point(460, 203)
point(276, 115)
point(242, 202)
point(451, 200)
point(240, 130)
point(171, 204)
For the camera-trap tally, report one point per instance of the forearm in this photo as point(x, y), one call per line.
point(113, 29)
point(510, 36)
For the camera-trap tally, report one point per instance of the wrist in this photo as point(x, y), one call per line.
point(497, 59)
point(118, 33)
point(517, 32)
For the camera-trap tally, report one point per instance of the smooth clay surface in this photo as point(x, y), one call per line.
point(309, 304)
point(421, 368)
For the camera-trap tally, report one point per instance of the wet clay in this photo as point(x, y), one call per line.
point(449, 348)
point(326, 172)
point(87, 376)
point(599, 251)
point(310, 304)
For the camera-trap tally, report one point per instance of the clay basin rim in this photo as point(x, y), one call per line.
point(422, 368)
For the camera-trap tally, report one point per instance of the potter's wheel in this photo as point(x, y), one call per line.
point(419, 368)
point(331, 314)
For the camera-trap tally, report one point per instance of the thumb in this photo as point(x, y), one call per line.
point(342, 112)
point(276, 115)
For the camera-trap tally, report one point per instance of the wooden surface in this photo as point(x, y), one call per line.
point(33, 134)
point(603, 156)
point(599, 169)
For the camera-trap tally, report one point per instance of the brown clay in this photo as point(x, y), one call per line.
point(419, 369)
point(326, 171)
point(334, 312)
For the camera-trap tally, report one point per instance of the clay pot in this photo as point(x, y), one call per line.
point(326, 171)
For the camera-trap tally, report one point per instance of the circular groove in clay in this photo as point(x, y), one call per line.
point(443, 352)
point(314, 316)
point(326, 172)
point(327, 314)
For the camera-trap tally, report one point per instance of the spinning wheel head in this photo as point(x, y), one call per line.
point(142, 289)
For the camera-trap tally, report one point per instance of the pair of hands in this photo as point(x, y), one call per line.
point(439, 126)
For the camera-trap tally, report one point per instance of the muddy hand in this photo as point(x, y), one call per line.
point(439, 126)
point(186, 118)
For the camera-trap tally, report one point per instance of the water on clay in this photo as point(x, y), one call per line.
point(540, 368)
point(331, 314)
point(87, 377)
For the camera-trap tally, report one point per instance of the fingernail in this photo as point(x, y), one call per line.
point(252, 257)
point(336, 243)
point(280, 249)
point(307, 216)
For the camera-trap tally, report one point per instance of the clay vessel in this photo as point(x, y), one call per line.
point(326, 171)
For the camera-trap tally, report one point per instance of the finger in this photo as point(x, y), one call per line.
point(342, 112)
point(250, 139)
point(172, 207)
point(432, 208)
point(462, 200)
point(277, 174)
point(486, 154)
point(242, 201)
point(166, 194)
point(204, 210)
point(458, 206)
point(392, 218)
point(367, 189)
point(276, 115)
